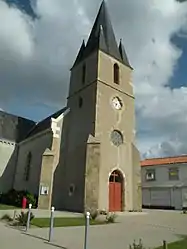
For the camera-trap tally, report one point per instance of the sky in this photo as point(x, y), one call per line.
point(39, 40)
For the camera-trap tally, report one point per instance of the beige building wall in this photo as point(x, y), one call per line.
point(109, 119)
point(97, 118)
point(36, 145)
point(49, 166)
point(8, 152)
point(77, 126)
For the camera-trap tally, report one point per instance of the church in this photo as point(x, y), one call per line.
point(84, 155)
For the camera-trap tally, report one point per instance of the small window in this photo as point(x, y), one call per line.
point(71, 189)
point(150, 175)
point(28, 166)
point(173, 174)
point(116, 73)
point(84, 74)
point(80, 102)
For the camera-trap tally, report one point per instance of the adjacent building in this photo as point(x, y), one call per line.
point(164, 182)
point(13, 129)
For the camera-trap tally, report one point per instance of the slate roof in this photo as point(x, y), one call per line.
point(14, 128)
point(123, 54)
point(164, 161)
point(45, 123)
point(102, 38)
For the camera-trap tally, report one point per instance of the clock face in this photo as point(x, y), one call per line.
point(117, 103)
point(116, 138)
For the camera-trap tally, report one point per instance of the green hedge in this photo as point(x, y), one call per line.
point(14, 198)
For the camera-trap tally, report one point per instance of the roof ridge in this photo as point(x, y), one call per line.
point(153, 158)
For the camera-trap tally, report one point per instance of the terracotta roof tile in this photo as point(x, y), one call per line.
point(163, 161)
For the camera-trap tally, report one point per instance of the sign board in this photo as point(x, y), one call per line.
point(44, 190)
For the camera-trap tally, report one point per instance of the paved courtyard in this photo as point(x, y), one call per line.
point(151, 226)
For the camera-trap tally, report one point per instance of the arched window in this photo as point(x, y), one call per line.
point(84, 74)
point(28, 166)
point(116, 176)
point(116, 73)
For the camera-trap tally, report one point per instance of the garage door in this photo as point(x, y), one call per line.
point(177, 198)
point(161, 197)
point(146, 194)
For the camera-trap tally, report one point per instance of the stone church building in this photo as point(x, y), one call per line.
point(83, 156)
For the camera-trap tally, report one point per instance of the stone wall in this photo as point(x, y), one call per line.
point(44, 200)
point(8, 157)
point(36, 145)
point(137, 188)
point(92, 176)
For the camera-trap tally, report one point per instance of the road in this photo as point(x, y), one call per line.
point(152, 227)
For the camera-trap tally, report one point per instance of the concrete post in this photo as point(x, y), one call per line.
point(165, 245)
point(51, 224)
point(28, 217)
point(86, 230)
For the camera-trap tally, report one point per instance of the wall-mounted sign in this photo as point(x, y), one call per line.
point(44, 190)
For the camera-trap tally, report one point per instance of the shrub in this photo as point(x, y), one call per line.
point(15, 198)
point(137, 246)
point(21, 219)
point(103, 212)
point(111, 218)
point(94, 214)
point(31, 199)
point(6, 217)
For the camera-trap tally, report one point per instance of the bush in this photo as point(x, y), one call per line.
point(137, 246)
point(94, 214)
point(103, 212)
point(21, 219)
point(6, 217)
point(14, 198)
point(111, 218)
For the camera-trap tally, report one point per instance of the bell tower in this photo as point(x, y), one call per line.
point(101, 165)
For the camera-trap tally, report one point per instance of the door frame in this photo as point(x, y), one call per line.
point(117, 176)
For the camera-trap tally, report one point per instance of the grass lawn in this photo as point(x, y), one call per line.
point(181, 244)
point(6, 207)
point(64, 222)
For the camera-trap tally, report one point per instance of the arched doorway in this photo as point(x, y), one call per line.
point(116, 191)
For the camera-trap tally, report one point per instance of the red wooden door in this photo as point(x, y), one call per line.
point(114, 196)
point(117, 196)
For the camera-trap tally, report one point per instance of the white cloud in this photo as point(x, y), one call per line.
point(35, 57)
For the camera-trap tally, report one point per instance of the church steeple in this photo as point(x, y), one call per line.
point(80, 54)
point(123, 54)
point(102, 38)
point(110, 45)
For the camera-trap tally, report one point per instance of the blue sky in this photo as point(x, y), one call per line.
point(36, 55)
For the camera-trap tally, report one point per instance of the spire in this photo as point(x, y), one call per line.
point(123, 54)
point(110, 45)
point(102, 38)
point(80, 54)
point(100, 41)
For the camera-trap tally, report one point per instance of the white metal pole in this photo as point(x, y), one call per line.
point(86, 230)
point(51, 224)
point(28, 217)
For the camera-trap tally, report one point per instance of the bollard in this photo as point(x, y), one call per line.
point(165, 245)
point(28, 217)
point(51, 224)
point(86, 229)
point(14, 216)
